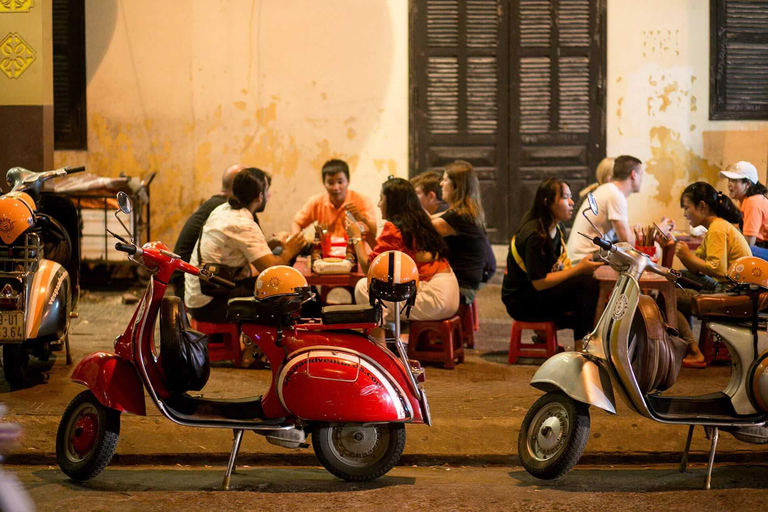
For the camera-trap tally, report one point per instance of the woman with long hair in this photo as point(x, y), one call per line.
point(603, 173)
point(722, 245)
point(540, 284)
point(409, 229)
point(744, 187)
point(463, 226)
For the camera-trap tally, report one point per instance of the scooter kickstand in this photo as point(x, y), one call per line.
point(712, 449)
point(232, 458)
point(684, 462)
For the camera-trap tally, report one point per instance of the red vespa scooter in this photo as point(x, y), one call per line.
point(329, 379)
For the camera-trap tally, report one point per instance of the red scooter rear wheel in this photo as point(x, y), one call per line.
point(359, 453)
point(87, 437)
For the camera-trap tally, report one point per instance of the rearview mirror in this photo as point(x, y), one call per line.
point(125, 204)
point(593, 209)
point(592, 203)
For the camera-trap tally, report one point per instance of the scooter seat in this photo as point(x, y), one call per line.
point(351, 314)
point(727, 305)
point(250, 310)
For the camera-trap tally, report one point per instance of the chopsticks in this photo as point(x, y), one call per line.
point(645, 237)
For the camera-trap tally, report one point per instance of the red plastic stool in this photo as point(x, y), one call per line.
point(437, 341)
point(713, 352)
point(546, 349)
point(469, 323)
point(226, 350)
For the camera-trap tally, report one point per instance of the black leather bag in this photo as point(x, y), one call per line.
point(183, 351)
point(217, 269)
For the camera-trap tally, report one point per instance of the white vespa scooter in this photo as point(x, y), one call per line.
point(634, 351)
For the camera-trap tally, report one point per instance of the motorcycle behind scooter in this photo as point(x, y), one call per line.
point(39, 271)
point(634, 351)
point(329, 378)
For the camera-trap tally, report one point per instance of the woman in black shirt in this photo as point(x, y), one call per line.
point(540, 283)
point(463, 227)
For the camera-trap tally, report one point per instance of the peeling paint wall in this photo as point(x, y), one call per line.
point(658, 104)
point(187, 88)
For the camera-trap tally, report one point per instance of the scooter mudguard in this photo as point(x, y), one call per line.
point(49, 303)
point(579, 377)
point(113, 381)
point(340, 386)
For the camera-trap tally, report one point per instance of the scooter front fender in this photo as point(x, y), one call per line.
point(113, 381)
point(579, 376)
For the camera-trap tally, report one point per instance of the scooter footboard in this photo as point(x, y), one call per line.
point(579, 377)
point(113, 381)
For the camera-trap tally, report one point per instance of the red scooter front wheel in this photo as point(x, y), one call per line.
point(87, 437)
point(359, 453)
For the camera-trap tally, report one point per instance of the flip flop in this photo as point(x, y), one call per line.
point(699, 365)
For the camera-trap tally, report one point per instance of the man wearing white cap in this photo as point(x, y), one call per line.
point(744, 186)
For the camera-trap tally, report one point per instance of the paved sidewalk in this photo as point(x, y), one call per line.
point(477, 408)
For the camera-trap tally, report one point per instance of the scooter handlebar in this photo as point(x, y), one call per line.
point(221, 283)
point(73, 170)
point(689, 283)
point(127, 248)
point(603, 244)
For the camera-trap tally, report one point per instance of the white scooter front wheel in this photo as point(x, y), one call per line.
point(553, 435)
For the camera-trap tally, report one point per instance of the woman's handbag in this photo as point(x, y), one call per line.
point(217, 269)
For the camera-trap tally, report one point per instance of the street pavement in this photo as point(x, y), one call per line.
point(431, 488)
point(477, 408)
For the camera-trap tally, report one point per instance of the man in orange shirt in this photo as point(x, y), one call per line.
point(331, 207)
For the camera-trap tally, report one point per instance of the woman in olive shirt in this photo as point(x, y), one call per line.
point(722, 245)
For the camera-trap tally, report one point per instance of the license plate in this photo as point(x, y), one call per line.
point(11, 325)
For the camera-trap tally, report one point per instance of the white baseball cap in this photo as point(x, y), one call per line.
point(740, 171)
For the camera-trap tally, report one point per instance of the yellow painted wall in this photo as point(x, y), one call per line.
point(187, 88)
point(26, 55)
point(658, 104)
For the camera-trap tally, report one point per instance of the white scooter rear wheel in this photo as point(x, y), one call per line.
point(553, 435)
point(359, 453)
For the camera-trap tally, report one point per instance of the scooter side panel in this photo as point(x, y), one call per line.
point(113, 381)
point(338, 385)
point(579, 377)
point(47, 304)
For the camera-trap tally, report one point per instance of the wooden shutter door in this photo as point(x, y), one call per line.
point(739, 59)
point(557, 106)
point(458, 76)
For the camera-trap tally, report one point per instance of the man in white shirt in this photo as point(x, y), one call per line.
point(612, 213)
point(232, 237)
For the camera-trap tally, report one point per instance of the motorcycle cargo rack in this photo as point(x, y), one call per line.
point(22, 257)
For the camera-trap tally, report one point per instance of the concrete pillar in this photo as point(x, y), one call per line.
point(26, 85)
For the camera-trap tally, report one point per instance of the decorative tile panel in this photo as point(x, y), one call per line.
point(16, 5)
point(15, 55)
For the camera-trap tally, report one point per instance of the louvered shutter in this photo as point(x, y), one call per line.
point(69, 122)
point(557, 107)
point(739, 59)
point(515, 87)
point(459, 73)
